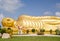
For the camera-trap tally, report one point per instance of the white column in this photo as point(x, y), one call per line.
point(20, 30)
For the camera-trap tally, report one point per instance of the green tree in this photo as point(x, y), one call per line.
point(0, 30)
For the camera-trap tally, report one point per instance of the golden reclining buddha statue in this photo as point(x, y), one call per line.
point(33, 22)
point(39, 22)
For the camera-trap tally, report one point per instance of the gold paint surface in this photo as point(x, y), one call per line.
point(40, 22)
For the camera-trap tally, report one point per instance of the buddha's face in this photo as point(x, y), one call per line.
point(8, 22)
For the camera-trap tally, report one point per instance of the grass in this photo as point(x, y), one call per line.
point(32, 38)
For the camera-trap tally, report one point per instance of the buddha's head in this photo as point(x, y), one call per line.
point(7, 22)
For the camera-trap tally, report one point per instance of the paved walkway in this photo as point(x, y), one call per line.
point(38, 35)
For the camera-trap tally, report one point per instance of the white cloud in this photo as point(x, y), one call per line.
point(10, 5)
point(48, 13)
point(57, 5)
point(57, 13)
point(1, 17)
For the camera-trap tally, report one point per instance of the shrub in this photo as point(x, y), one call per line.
point(9, 30)
point(50, 31)
point(57, 32)
point(3, 30)
point(27, 31)
point(42, 31)
point(33, 30)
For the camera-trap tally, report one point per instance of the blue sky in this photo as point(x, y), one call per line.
point(15, 8)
